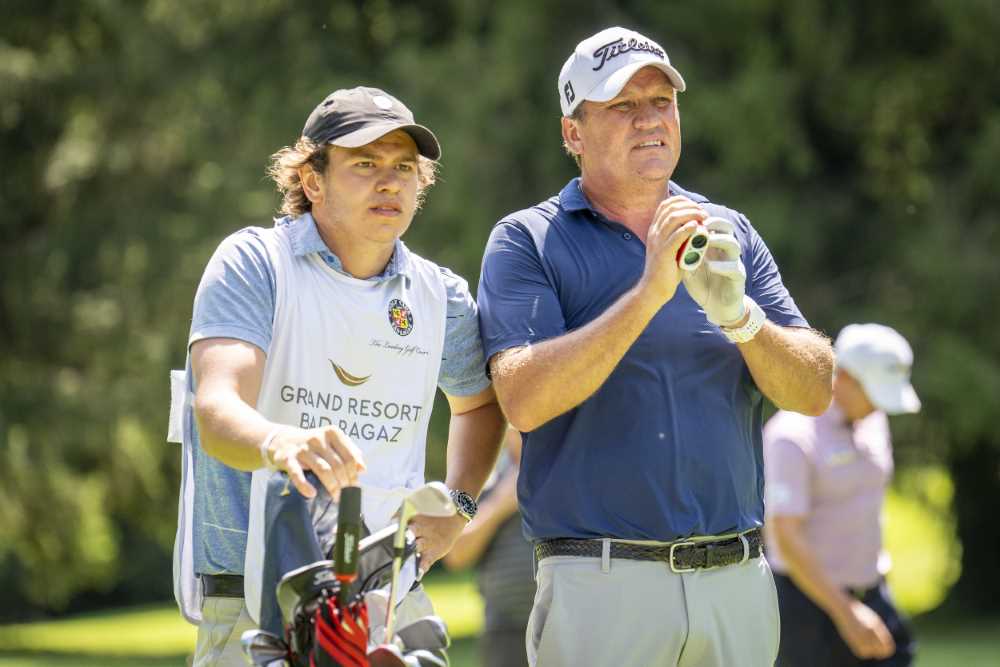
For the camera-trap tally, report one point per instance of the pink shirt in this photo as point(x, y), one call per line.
point(834, 474)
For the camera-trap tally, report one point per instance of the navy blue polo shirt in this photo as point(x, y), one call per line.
point(670, 445)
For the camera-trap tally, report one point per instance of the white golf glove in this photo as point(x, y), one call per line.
point(718, 285)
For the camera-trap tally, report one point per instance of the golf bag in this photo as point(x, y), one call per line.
point(302, 605)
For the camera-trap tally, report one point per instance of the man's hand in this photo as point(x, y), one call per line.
point(326, 451)
point(864, 632)
point(674, 222)
point(435, 537)
point(718, 285)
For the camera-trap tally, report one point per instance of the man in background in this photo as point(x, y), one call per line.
point(495, 544)
point(826, 482)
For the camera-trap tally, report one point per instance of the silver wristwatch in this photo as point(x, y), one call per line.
point(465, 504)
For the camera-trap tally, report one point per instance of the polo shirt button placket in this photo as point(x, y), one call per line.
point(627, 236)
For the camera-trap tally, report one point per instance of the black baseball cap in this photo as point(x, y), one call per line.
point(357, 116)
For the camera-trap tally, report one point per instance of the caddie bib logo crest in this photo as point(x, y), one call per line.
point(400, 317)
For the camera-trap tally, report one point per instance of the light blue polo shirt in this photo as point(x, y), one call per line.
point(236, 299)
point(670, 445)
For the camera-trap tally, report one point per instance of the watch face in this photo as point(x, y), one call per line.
point(466, 506)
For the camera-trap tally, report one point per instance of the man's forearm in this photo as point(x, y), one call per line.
point(228, 375)
point(807, 573)
point(474, 439)
point(500, 505)
point(230, 430)
point(540, 382)
point(792, 366)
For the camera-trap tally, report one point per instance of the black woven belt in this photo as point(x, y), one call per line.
point(683, 555)
point(222, 585)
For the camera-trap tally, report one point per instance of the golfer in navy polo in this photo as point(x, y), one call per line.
point(639, 384)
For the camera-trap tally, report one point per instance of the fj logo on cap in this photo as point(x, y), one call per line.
point(620, 46)
point(568, 91)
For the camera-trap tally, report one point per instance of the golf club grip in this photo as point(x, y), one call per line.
point(345, 548)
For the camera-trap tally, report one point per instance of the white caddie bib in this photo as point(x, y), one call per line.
point(359, 355)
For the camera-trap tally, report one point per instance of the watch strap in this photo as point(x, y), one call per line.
point(754, 323)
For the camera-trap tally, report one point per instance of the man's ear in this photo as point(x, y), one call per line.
point(571, 135)
point(312, 183)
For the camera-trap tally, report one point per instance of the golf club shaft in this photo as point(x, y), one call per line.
point(397, 562)
point(345, 550)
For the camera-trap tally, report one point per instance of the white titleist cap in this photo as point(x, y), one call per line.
point(601, 66)
point(880, 359)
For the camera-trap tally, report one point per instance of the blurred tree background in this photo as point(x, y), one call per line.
point(862, 139)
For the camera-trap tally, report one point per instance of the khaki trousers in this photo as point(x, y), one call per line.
point(639, 613)
point(223, 622)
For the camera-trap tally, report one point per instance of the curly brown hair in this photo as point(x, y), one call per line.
point(284, 167)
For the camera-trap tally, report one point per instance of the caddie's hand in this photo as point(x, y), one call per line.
point(675, 220)
point(865, 633)
point(718, 285)
point(326, 451)
point(435, 537)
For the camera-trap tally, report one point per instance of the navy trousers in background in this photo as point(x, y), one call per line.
point(810, 639)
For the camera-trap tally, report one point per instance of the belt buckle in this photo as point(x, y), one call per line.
point(673, 547)
point(746, 548)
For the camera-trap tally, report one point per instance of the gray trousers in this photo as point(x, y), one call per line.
point(224, 620)
point(639, 613)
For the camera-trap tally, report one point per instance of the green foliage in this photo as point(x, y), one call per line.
point(860, 138)
point(919, 534)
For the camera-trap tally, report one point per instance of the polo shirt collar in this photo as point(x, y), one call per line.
point(837, 420)
point(572, 197)
point(305, 240)
point(835, 417)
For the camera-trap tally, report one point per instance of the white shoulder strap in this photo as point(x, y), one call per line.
point(178, 401)
point(254, 559)
point(187, 590)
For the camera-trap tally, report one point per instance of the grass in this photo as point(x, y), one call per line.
point(151, 632)
point(39, 659)
point(919, 534)
point(948, 642)
point(157, 637)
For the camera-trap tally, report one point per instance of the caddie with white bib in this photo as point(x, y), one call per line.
point(318, 345)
